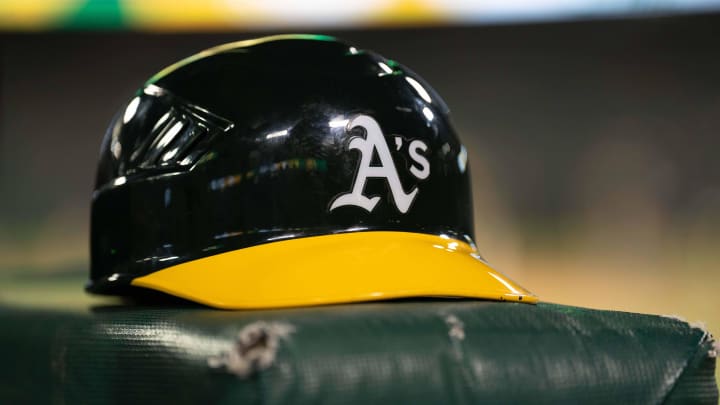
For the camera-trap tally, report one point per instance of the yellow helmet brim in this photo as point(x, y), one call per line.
point(337, 268)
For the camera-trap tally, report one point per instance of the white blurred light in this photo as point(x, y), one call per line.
point(419, 88)
point(169, 135)
point(131, 110)
point(428, 113)
point(276, 134)
point(462, 159)
point(387, 69)
point(120, 181)
point(337, 123)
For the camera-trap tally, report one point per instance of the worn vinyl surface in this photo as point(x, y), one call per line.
point(434, 351)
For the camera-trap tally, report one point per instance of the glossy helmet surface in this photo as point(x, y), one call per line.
point(282, 171)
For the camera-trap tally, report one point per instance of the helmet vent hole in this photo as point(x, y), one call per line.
point(179, 138)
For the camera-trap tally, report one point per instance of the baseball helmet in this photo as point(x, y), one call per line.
point(285, 171)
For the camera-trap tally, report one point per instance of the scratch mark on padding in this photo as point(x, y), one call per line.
point(254, 349)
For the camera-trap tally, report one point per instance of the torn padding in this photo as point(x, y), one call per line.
point(424, 352)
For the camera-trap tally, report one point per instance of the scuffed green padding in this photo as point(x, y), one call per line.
point(394, 352)
point(96, 14)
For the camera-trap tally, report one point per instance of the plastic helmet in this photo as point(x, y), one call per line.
point(285, 171)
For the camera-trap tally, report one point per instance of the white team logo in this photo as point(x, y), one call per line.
point(374, 141)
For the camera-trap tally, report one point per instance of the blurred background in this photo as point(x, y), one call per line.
point(592, 128)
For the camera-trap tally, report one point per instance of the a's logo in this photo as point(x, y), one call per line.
point(374, 142)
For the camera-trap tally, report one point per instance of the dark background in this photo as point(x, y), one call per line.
point(593, 147)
